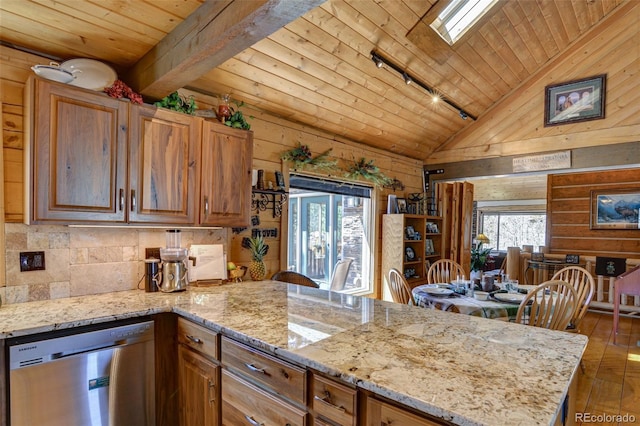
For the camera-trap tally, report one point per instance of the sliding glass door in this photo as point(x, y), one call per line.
point(330, 222)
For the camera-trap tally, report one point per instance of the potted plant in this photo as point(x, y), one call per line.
point(479, 258)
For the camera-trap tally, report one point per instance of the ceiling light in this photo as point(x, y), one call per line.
point(376, 60)
point(436, 95)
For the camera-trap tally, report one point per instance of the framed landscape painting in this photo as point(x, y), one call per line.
point(573, 101)
point(615, 209)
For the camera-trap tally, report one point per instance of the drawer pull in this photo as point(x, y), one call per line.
point(256, 369)
point(253, 421)
point(327, 401)
point(194, 339)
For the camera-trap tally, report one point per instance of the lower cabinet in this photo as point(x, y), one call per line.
point(225, 382)
point(381, 413)
point(198, 375)
point(245, 404)
point(199, 385)
point(333, 401)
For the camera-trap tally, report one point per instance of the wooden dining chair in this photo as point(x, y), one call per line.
point(584, 284)
point(444, 271)
point(340, 274)
point(400, 289)
point(294, 278)
point(550, 305)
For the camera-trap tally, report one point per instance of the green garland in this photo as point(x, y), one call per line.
point(367, 170)
point(300, 157)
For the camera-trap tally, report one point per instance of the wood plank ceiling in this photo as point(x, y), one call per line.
point(316, 69)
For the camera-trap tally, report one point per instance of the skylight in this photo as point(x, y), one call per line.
point(460, 15)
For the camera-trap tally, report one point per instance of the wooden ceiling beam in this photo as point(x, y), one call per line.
point(214, 33)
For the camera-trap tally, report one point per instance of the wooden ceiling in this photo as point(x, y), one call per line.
point(309, 61)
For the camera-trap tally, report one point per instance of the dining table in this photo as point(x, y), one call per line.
point(498, 305)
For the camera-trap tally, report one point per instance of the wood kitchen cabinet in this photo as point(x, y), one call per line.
point(78, 154)
point(381, 413)
point(225, 191)
point(198, 375)
point(96, 159)
point(164, 152)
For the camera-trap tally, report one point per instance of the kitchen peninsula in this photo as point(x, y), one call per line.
point(456, 368)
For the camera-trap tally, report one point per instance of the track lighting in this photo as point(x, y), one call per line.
point(376, 60)
point(408, 79)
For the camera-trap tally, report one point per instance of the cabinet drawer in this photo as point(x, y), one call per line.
point(245, 404)
point(382, 413)
point(280, 377)
point(198, 338)
point(334, 401)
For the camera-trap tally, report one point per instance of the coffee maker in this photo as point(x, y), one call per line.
point(174, 263)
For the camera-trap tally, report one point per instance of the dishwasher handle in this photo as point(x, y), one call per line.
point(66, 354)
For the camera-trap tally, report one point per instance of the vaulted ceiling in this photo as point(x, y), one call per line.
point(310, 61)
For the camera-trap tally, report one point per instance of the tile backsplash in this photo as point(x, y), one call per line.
point(81, 261)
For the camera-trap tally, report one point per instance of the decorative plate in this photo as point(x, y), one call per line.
point(90, 74)
point(53, 72)
point(438, 291)
point(509, 297)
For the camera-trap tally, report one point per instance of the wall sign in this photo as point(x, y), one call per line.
point(551, 161)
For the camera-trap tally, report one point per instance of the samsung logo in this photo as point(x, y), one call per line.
point(27, 348)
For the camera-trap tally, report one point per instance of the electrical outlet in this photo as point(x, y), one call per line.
point(152, 252)
point(31, 261)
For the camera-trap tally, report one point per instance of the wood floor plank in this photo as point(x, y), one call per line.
point(610, 385)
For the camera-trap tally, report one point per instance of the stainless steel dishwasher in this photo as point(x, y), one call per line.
point(100, 375)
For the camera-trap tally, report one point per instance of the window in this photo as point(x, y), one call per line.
point(514, 229)
point(460, 15)
point(329, 221)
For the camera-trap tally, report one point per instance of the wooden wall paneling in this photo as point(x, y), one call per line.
point(456, 200)
point(569, 210)
point(2, 213)
point(466, 215)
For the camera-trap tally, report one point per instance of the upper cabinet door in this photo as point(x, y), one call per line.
point(78, 143)
point(164, 150)
point(225, 198)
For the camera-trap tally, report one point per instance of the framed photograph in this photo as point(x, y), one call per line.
point(573, 259)
point(615, 209)
point(574, 101)
point(411, 233)
point(279, 180)
point(410, 254)
point(428, 247)
point(401, 204)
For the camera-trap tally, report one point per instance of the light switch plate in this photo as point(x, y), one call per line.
point(32, 261)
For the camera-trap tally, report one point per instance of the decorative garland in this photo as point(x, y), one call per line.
point(367, 170)
point(301, 156)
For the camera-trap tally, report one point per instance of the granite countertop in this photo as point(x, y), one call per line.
point(464, 369)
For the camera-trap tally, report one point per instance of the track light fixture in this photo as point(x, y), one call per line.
point(376, 60)
point(436, 96)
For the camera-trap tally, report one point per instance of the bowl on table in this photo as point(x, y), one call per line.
point(480, 295)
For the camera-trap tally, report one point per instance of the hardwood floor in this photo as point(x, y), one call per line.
point(610, 384)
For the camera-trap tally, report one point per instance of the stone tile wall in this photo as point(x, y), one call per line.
point(81, 261)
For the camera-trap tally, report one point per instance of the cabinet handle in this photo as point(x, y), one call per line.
point(206, 205)
point(194, 339)
point(121, 199)
point(256, 369)
point(326, 399)
point(133, 200)
point(252, 421)
point(212, 397)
